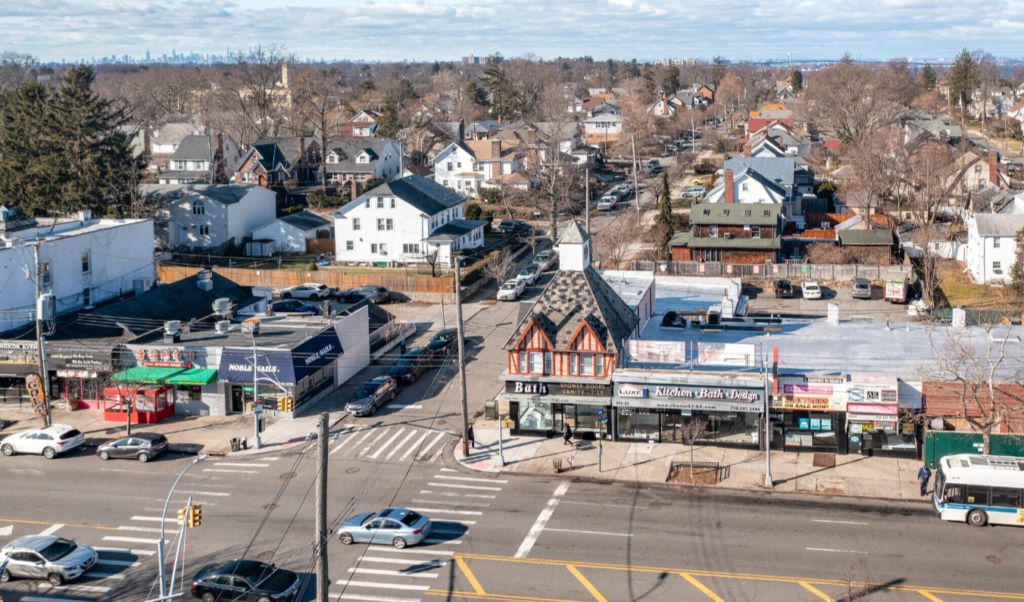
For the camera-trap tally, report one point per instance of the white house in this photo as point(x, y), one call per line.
point(468, 166)
point(204, 216)
point(405, 221)
point(604, 126)
point(356, 161)
point(290, 232)
point(992, 246)
point(82, 262)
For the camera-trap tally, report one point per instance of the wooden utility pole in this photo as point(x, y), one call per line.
point(586, 187)
point(43, 373)
point(462, 358)
point(323, 578)
point(636, 179)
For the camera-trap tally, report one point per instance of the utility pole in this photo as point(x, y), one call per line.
point(255, 395)
point(43, 373)
point(767, 425)
point(323, 578)
point(462, 359)
point(586, 194)
point(636, 178)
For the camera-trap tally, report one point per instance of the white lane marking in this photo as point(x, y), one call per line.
point(391, 573)
point(386, 444)
point(834, 550)
point(414, 446)
point(213, 493)
point(347, 436)
point(379, 436)
point(400, 445)
point(48, 599)
point(230, 470)
point(435, 541)
point(473, 487)
point(446, 469)
point(430, 552)
point(367, 433)
point(437, 455)
point(443, 511)
point(271, 459)
point(154, 519)
point(139, 529)
point(439, 564)
point(408, 586)
point(472, 479)
point(398, 406)
point(73, 588)
point(838, 522)
point(52, 529)
point(105, 575)
point(433, 442)
point(130, 540)
point(472, 504)
point(590, 532)
point(542, 521)
point(479, 496)
point(124, 551)
point(361, 597)
point(109, 562)
point(241, 464)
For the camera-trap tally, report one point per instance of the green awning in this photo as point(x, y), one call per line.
point(146, 375)
point(193, 376)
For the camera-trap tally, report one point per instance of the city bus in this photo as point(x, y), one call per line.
point(980, 490)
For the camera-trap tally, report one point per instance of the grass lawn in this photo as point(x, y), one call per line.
point(960, 289)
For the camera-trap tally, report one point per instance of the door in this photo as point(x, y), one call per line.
point(672, 428)
point(237, 399)
point(369, 534)
point(27, 564)
point(35, 443)
point(386, 533)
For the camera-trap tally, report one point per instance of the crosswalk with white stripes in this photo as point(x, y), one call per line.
point(386, 574)
point(390, 443)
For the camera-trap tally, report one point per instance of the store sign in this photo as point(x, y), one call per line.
point(632, 391)
point(807, 389)
point(567, 389)
point(165, 357)
point(75, 358)
point(18, 352)
point(689, 392)
point(872, 394)
point(272, 365)
point(785, 402)
point(316, 352)
point(76, 374)
point(865, 408)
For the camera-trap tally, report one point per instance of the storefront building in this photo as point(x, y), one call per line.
point(808, 413)
point(543, 407)
point(17, 360)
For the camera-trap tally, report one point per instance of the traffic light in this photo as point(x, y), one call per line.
point(182, 512)
point(286, 404)
point(195, 517)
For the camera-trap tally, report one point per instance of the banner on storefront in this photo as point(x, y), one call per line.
point(740, 395)
point(824, 404)
point(869, 408)
point(687, 405)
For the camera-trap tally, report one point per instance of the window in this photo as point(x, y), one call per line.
point(355, 223)
point(755, 232)
point(547, 363)
point(380, 224)
point(86, 297)
point(198, 208)
point(713, 231)
point(445, 183)
point(204, 230)
point(413, 249)
point(383, 248)
point(746, 213)
point(86, 267)
point(977, 494)
point(997, 267)
point(536, 362)
point(586, 365)
point(995, 243)
point(373, 248)
point(350, 245)
point(449, 169)
point(573, 367)
point(522, 362)
point(367, 203)
point(380, 202)
point(726, 212)
point(392, 203)
point(743, 186)
point(389, 224)
point(1005, 497)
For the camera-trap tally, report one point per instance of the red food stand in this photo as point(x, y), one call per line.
point(149, 403)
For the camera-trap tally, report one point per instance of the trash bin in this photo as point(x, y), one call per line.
point(491, 409)
point(236, 444)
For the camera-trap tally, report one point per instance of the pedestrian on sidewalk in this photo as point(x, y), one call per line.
point(566, 434)
point(924, 475)
point(471, 436)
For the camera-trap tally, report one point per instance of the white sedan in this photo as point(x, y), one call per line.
point(49, 441)
point(810, 290)
point(511, 290)
point(309, 290)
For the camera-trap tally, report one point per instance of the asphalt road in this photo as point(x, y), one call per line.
point(496, 537)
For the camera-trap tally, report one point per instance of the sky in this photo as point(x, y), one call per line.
point(386, 30)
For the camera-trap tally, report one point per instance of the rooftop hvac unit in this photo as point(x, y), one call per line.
point(172, 327)
point(205, 285)
point(222, 326)
point(222, 306)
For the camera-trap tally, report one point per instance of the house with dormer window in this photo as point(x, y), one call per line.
point(354, 162)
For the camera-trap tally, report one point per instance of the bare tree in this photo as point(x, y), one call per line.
point(612, 243)
point(852, 100)
point(637, 122)
point(315, 99)
point(881, 165)
point(262, 97)
point(932, 167)
point(431, 258)
point(692, 432)
point(16, 69)
point(499, 267)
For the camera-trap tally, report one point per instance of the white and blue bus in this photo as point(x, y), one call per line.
point(980, 490)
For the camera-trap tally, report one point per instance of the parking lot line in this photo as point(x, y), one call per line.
point(586, 583)
point(473, 582)
point(51, 529)
point(703, 588)
point(817, 592)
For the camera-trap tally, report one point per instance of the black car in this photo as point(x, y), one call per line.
point(512, 226)
point(784, 289)
point(411, 365)
point(443, 342)
point(294, 306)
point(245, 580)
point(139, 446)
point(377, 294)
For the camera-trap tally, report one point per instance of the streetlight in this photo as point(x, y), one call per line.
point(163, 519)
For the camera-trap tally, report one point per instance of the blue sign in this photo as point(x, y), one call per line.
point(316, 352)
point(281, 366)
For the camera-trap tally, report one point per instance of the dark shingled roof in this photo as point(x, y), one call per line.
point(193, 148)
point(305, 220)
point(879, 237)
point(422, 193)
point(455, 229)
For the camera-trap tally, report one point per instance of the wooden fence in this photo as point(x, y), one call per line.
point(403, 281)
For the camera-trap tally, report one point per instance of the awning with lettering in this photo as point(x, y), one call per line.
point(145, 375)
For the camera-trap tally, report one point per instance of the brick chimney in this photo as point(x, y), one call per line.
point(993, 168)
point(495, 149)
point(355, 190)
point(730, 188)
point(746, 150)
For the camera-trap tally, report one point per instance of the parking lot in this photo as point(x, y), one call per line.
point(763, 301)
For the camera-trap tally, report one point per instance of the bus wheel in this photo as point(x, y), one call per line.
point(977, 518)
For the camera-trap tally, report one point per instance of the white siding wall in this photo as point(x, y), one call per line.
point(354, 332)
point(407, 228)
point(257, 208)
point(982, 256)
point(289, 239)
point(456, 156)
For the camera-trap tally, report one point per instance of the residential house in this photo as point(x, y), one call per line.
point(777, 140)
point(786, 181)
point(354, 162)
point(467, 166)
point(365, 123)
point(730, 233)
point(975, 172)
point(874, 246)
point(210, 216)
point(768, 114)
point(274, 161)
point(82, 261)
point(289, 233)
point(167, 134)
point(919, 126)
point(669, 104)
point(423, 143)
point(201, 158)
point(482, 130)
point(992, 245)
point(602, 128)
point(408, 220)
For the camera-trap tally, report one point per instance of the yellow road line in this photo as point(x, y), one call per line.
point(703, 588)
point(746, 576)
point(25, 521)
point(815, 591)
point(586, 583)
point(459, 562)
point(456, 595)
point(928, 594)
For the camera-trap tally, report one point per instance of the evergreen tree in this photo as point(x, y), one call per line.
point(963, 79)
point(663, 223)
point(28, 164)
point(388, 125)
point(796, 79)
point(928, 77)
point(1017, 270)
point(718, 70)
point(503, 100)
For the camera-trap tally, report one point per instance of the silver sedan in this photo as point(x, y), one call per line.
point(398, 527)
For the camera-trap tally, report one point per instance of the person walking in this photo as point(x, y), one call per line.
point(924, 475)
point(566, 434)
point(471, 436)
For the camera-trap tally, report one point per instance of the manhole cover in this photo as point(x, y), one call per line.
point(287, 475)
point(352, 470)
point(442, 422)
point(265, 555)
point(270, 507)
point(993, 559)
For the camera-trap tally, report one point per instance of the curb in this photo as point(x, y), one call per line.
point(287, 444)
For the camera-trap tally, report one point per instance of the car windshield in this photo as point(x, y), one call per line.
point(405, 362)
point(366, 391)
point(58, 549)
point(278, 581)
point(411, 519)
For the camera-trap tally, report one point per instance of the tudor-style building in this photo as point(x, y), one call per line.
point(563, 351)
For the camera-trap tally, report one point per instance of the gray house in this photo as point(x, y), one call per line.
point(207, 217)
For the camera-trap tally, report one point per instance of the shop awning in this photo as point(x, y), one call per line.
point(146, 375)
point(193, 376)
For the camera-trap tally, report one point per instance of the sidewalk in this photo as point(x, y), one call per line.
point(878, 478)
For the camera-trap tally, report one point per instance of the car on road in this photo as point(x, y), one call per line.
point(398, 527)
point(139, 446)
point(377, 294)
point(529, 274)
point(606, 202)
point(783, 289)
point(810, 290)
point(371, 395)
point(49, 441)
point(513, 226)
point(511, 290)
point(443, 342)
point(693, 192)
point(861, 288)
point(308, 290)
point(543, 260)
point(411, 365)
point(294, 306)
point(652, 167)
point(245, 580)
point(49, 557)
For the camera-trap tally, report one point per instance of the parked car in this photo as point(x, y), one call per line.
point(245, 580)
point(810, 290)
point(529, 274)
point(398, 527)
point(309, 290)
point(49, 557)
point(694, 192)
point(861, 288)
point(511, 290)
point(294, 306)
point(377, 294)
point(411, 365)
point(783, 289)
point(606, 203)
point(652, 167)
point(49, 441)
point(442, 342)
point(372, 394)
point(513, 226)
point(544, 259)
point(140, 446)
